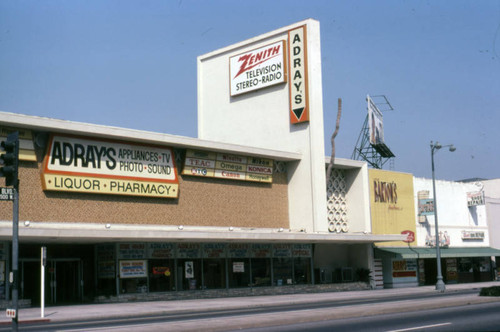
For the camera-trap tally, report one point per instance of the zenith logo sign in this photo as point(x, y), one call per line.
point(251, 60)
point(258, 68)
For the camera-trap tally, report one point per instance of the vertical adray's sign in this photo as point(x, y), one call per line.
point(299, 94)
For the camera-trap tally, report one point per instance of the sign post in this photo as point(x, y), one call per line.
point(9, 170)
point(43, 262)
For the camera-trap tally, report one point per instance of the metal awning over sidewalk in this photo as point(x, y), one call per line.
point(59, 232)
point(431, 252)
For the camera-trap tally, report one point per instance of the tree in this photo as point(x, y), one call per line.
point(332, 156)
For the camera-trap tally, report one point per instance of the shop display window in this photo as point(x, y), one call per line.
point(133, 276)
point(214, 273)
point(239, 272)
point(166, 267)
point(161, 275)
point(133, 285)
point(465, 265)
point(261, 272)
point(282, 268)
point(302, 270)
point(189, 274)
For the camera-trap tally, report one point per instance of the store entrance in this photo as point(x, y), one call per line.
point(63, 280)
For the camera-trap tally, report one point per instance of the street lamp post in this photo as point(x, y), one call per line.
point(440, 286)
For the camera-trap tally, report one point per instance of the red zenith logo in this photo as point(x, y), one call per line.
point(251, 60)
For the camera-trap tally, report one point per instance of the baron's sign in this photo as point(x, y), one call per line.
point(385, 192)
point(109, 167)
point(257, 69)
point(299, 94)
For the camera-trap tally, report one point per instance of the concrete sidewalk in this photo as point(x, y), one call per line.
point(138, 309)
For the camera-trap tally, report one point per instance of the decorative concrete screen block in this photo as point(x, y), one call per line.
point(336, 202)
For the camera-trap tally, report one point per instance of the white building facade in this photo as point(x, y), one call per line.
point(465, 230)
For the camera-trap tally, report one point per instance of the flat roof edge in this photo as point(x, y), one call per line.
point(346, 163)
point(96, 130)
point(87, 233)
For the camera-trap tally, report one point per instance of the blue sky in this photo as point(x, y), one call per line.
point(132, 64)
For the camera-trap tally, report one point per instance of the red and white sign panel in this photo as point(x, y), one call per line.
point(11, 313)
point(410, 236)
point(257, 69)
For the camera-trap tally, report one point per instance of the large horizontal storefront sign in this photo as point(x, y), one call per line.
point(108, 167)
point(299, 94)
point(225, 166)
point(257, 69)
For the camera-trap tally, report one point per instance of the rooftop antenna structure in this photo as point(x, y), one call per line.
point(370, 146)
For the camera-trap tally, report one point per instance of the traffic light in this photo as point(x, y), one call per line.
point(10, 159)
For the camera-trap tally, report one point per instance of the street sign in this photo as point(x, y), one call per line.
point(6, 194)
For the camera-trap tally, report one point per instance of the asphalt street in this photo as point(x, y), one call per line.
point(223, 314)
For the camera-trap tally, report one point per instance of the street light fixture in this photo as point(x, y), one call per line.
point(440, 286)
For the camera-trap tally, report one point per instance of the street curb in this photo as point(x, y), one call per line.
point(27, 321)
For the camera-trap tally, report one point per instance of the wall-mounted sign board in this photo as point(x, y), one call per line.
point(227, 166)
point(109, 167)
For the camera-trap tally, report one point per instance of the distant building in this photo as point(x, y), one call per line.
point(467, 255)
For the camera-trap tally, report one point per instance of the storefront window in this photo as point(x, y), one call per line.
point(133, 285)
point(106, 266)
point(161, 275)
point(163, 267)
point(282, 264)
point(474, 269)
point(214, 273)
point(133, 276)
point(189, 266)
point(238, 264)
point(239, 272)
point(302, 254)
point(261, 264)
point(261, 271)
point(214, 265)
point(465, 265)
point(188, 274)
point(282, 271)
point(302, 270)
